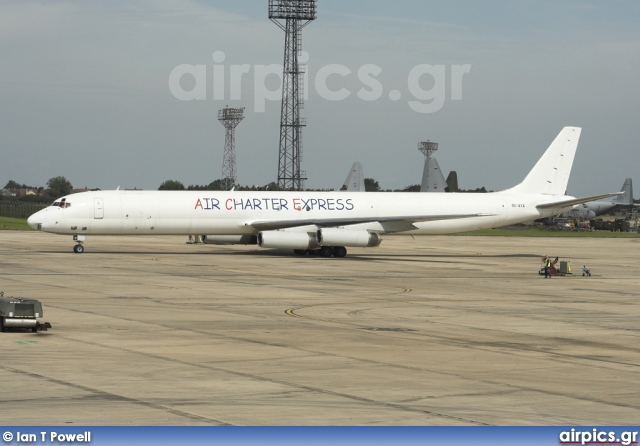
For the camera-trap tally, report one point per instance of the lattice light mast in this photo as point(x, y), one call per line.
point(428, 148)
point(230, 118)
point(291, 16)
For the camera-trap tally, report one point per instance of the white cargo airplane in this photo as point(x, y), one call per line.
point(317, 222)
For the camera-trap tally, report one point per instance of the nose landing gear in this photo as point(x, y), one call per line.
point(79, 248)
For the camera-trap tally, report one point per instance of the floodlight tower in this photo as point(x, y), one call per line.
point(230, 118)
point(291, 16)
point(428, 148)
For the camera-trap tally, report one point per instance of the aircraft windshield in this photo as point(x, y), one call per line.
point(61, 204)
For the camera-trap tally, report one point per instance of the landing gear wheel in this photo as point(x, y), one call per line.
point(326, 251)
point(339, 251)
point(78, 249)
point(2, 327)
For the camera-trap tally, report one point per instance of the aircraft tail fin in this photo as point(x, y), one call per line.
point(355, 179)
point(627, 196)
point(551, 173)
point(452, 182)
point(432, 177)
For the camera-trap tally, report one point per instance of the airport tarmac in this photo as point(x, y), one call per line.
point(439, 330)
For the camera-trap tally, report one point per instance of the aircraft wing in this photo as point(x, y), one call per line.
point(333, 222)
point(573, 201)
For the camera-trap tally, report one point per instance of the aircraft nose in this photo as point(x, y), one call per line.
point(35, 221)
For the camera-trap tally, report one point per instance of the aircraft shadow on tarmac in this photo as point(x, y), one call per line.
point(287, 253)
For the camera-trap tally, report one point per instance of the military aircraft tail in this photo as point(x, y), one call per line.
point(355, 179)
point(627, 197)
point(432, 177)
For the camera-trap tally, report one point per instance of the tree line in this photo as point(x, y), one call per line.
point(56, 187)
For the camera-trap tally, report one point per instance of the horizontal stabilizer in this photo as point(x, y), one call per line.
point(574, 201)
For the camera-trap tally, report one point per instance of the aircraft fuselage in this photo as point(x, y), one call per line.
point(196, 212)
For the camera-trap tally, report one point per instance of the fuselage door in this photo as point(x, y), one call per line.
point(98, 208)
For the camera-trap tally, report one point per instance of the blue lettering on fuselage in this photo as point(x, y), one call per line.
point(276, 204)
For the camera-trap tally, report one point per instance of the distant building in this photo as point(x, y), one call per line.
point(25, 192)
point(22, 192)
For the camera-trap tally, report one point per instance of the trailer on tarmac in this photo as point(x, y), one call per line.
point(20, 312)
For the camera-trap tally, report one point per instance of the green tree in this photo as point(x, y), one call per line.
point(171, 185)
point(371, 185)
point(476, 190)
point(272, 186)
point(216, 185)
point(58, 187)
point(13, 185)
point(228, 184)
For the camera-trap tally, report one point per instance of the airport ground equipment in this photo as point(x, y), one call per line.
point(585, 271)
point(20, 312)
point(564, 268)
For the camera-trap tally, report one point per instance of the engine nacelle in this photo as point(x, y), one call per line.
point(346, 237)
point(230, 239)
point(287, 240)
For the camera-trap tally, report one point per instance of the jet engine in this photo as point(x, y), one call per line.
point(287, 240)
point(230, 239)
point(346, 237)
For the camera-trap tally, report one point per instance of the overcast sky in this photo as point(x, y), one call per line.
point(85, 90)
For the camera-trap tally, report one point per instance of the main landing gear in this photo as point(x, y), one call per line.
point(323, 251)
point(79, 248)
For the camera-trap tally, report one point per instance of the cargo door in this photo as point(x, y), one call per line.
point(139, 211)
point(98, 208)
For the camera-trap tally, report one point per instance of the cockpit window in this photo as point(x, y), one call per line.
point(61, 204)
